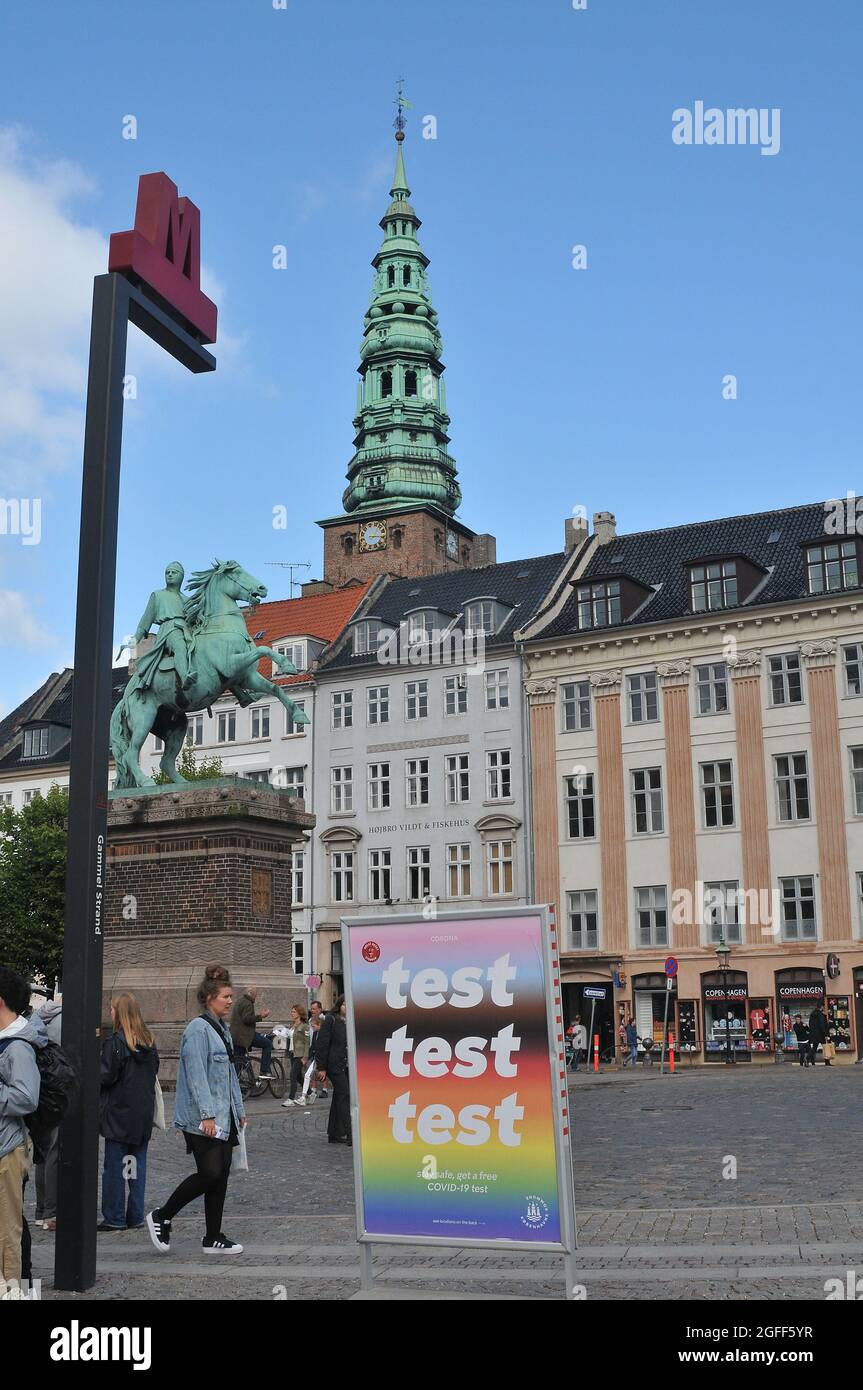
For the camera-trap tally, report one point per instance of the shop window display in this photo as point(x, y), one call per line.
point(839, 1022)
point(760, 1034)
point(688, 1027)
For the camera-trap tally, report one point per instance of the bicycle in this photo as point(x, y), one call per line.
point(252, 1084)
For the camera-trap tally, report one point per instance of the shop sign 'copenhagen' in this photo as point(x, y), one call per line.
point(163, 250)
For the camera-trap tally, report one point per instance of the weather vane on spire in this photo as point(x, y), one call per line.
point(401, 104)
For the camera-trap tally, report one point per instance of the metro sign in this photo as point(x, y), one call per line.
point(163, 251)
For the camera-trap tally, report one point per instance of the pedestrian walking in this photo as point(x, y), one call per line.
point(244, 1030)
point(129, 1064)
point(20, 1086)
point(332, 1059)
point(801, 1033)
point(299, 1053)
point(209, 1110)
point(631, 1042)
point(316, 1011)
point(819, 1034)
point(309, 1080)
point(51, 1014)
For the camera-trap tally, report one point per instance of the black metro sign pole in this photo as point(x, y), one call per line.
point(153, 281)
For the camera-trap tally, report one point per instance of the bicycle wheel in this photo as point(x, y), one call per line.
point(278, 1081)
point(246, 1078)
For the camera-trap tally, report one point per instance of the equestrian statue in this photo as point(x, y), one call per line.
point(202, 650)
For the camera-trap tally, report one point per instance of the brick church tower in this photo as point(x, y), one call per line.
point(402, 493)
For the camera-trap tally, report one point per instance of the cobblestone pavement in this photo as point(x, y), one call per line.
point(656, 1217)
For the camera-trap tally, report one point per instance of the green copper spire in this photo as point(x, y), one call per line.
point(401, 423)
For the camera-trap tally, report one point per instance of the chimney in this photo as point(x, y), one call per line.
point(484, 551)
point(315, 586)
point(574, 533)
point(604, 527)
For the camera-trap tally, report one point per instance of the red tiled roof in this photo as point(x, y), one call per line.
point(320, 615)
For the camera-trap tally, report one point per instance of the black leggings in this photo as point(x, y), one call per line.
point(213, 1162)
point(298, 1071)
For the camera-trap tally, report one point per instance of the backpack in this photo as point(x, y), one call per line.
point(58, 1088)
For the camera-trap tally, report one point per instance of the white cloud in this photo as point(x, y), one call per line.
point(47, 263)
point(19, 626)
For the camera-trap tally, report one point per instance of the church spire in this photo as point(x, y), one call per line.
point(401, 423)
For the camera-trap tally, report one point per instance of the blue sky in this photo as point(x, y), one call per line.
point(599, 388)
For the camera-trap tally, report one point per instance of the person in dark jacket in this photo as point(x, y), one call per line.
point(331, 1056)
point(244, 1030)
point(130, 1062)
point(818, 1032)
point(801, 1033)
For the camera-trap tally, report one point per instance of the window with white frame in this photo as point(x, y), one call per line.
point(711, 688)
point(298, 955)
point(581, 909)
point(261, 721)
point(455, 695)
point(480, 617)
point(417, 782)
point(717, 795)
point(294, 651)
point(458, 870)
point(342, 709)
point(257, 775)
point(497, 689)
point(35, 743)
point(798, 908)
point(419, 872)
point(786, 679)
point(498, 774)
point(380, 875)
point(367, 636)
point(857, 779)
point(599, 604)
point(291, 727)
point(457, 777)
point(651, 913)
point(791, 775)
point(500, 868)
point(643, 698)
point(298, 877)
point(416, 699)
point(713, 586)
point(580, 806)
point(342, 875)
point(294, 780)
point(646, 783)
point(226, 725)
point(30, 795)
point(378, 704)
point(341, 790)
point(379, 786)
point(6, 798)
point(852, 661)
point(195, 730)
point(721, 915)
point(423, 625)
point(575, 705)
point(159, 747)
point(832, 567)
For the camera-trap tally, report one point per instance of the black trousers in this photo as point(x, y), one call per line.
point(339, 1121)
point(213, 1163)
point(298, 1071)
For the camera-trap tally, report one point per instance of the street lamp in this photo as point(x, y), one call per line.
point(723, 951)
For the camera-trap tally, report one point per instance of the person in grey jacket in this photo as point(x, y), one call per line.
point(19, 1097)
point(209, 1110)
point(51, 1014)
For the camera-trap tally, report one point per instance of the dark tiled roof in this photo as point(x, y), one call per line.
point(522, 584)
point(662, 559)
point(59, 711)
point(21, 714)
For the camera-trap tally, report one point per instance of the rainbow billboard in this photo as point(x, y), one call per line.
point(456, 1080)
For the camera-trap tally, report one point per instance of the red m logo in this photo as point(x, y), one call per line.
point(163, 251)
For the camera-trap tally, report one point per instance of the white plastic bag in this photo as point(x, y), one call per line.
point(241, 1162)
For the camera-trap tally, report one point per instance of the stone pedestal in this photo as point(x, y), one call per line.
point(195, 875)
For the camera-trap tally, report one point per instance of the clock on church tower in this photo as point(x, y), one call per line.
point(372, 536)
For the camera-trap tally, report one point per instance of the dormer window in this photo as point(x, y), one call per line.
point(367, 636)
point(713, 586)
point(35, 743)
point(481, 617)
point(599, 604)
point(832, 567)
point(423, 624)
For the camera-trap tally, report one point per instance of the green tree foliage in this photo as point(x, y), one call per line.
point(189, 767)
point(33, 885)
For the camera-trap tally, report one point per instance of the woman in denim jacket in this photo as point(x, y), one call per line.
point(209, 1110)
